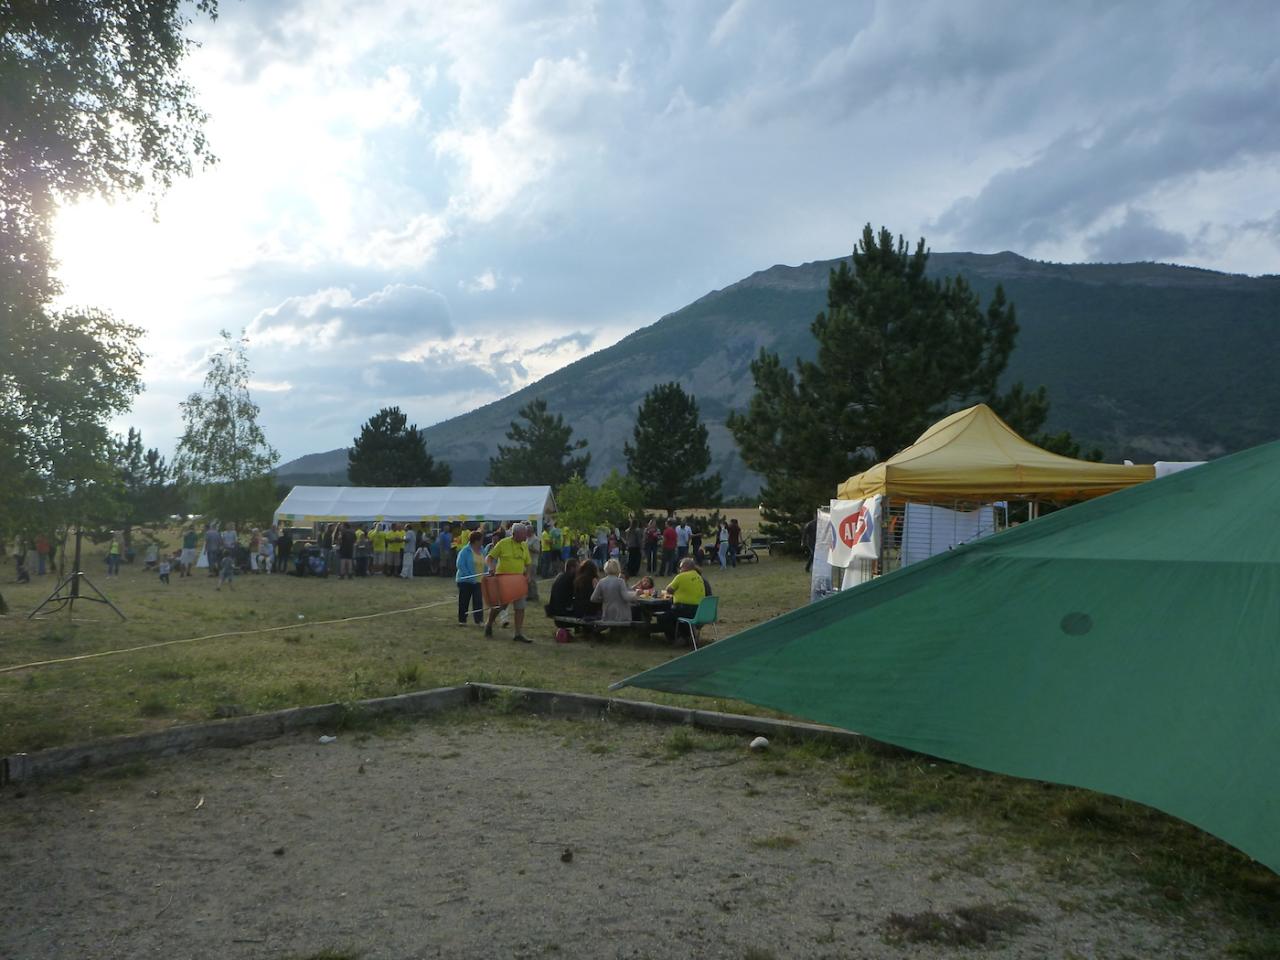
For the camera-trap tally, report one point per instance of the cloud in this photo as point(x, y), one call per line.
point(729, 21)
point(568, 166)
point(577, 342)
point(320, 318)
point(485, 282)
point(1088, 171)
point(1268, 226)
point(1137, 237)
point(559, 101)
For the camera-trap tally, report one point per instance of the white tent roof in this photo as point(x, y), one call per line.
point(312, 504)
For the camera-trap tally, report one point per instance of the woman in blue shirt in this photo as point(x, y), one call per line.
point(470, 570)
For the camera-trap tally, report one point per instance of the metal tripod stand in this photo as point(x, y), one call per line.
point(67, 591)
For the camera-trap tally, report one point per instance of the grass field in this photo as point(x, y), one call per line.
point(312, 661)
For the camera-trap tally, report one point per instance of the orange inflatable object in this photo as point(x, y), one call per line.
point(503, 588)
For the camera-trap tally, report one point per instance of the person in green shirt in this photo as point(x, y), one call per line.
point(511, 555)
point(189, 541)
point(686, 590)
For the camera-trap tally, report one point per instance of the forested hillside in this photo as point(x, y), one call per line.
point(1147, 361)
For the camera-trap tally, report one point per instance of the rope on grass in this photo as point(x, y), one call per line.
point(219, 636)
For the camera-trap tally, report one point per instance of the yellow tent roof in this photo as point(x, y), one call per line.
point(974, 455)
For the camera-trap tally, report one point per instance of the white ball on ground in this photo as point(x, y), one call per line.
point(759, 743)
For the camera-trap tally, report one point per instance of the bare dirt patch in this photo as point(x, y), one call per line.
point(510, 836)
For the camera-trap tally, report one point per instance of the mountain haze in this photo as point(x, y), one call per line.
point(1147, 361)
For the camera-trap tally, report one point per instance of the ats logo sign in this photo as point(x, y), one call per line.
point(857, 527)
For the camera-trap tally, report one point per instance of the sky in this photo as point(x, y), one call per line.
point(431, 205)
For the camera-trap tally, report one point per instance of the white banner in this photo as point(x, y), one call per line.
point(820, 581)
point(855, 528)
point(929, 530)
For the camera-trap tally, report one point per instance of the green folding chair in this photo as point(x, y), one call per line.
point(705, 616)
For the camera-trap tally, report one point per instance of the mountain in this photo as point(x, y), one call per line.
point(1147, 361)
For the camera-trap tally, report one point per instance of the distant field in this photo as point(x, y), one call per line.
point(310, 663)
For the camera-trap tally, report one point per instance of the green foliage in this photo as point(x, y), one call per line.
point(145, 495)
point(63, 375)
point(582, 507)
point(896, 350)
point(671, 454)
point(223, 452)
point(94, 104)
point(541, 451)
point(392, 453)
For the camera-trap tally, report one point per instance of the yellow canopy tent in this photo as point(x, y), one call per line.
point(973, 455)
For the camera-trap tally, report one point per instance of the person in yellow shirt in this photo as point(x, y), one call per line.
point(545, 559)
point(511, 555)
point(686, 589)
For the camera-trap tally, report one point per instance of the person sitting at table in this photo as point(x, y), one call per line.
point(613, 594)
point(644, 585)
point(560, 602)
point(584, 585)
point(686, 590)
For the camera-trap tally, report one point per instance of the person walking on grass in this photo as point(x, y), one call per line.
point(470, 568)
point(346, 550)
point(510, 555)
point(669, 547)
point(212, 548)
point(113, 558)
point(42, 553)
point(188, 562)
point(410, 551)
point(227, 571)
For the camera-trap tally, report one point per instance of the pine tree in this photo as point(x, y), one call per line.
point(146, 495)
point(390, 452)
point(541, 450)
point(896, 352)
point(671, 455)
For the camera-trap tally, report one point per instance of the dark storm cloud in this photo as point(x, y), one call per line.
point(1138, 237)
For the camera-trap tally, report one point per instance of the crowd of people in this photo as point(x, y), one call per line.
point(597, 573)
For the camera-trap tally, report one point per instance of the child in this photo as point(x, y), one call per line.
point(227, 572)
point(20, 561)
point(164, 570)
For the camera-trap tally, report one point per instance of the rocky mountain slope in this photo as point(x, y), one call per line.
point(1148, 361)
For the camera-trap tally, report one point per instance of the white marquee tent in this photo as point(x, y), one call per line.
point(416, 504)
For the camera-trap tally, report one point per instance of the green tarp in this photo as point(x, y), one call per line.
point(1129, 645)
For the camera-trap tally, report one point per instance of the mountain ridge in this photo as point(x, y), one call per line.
point(1117, 345)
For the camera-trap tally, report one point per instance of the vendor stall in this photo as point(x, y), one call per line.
point(954, 484)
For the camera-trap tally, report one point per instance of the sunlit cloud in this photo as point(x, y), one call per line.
point(569, 171)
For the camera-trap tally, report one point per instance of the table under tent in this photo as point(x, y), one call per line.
point(312, 505)
point(959, 482)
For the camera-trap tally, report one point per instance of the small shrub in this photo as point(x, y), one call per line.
point(409, 675)
point(970, 926)
point(680, 742)
point(153, 706)
point(779, 841)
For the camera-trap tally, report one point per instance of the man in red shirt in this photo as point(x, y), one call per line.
point(42, 553)
point(669, 548)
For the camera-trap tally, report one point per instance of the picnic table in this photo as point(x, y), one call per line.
point(649, 607)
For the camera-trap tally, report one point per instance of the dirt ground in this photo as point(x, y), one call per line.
point(517, 837)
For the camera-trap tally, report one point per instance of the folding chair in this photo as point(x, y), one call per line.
point(705, 616)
